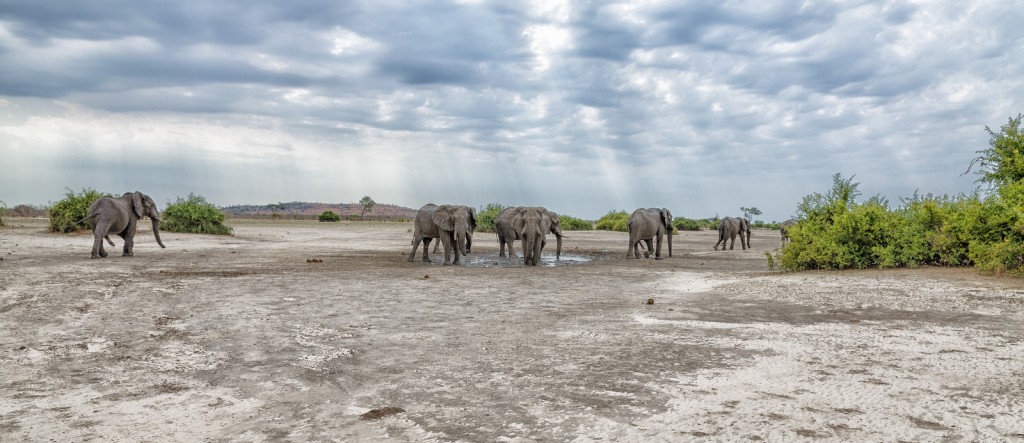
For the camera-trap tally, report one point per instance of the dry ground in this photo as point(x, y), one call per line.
point(241, 338)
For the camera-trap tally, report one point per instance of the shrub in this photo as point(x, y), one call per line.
point(68, 215)
point(613, 221)
point(194, 215)
point(329, 216)
point(2, 207)
point(686, 224)
point(485, 217)
point(574, 224)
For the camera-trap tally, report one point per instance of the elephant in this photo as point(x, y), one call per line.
point(504, 226)
point(451, 224)
point(120, 216)
point(729, 227)
point(646, 224)
point(784, 229)
point(531, 225)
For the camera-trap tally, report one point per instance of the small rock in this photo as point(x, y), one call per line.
point(650, 301)
point(376, 414)
point(426, 277)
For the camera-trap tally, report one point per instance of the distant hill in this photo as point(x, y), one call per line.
point(310, 211)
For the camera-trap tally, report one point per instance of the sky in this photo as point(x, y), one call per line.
point(701, 107)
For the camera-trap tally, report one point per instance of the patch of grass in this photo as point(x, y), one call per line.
point(195, 215)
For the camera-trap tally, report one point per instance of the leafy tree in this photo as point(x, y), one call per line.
point(1002, 163)
point(68, 215)
point(749, 213)
point(195, 215)
point(329, 216)
point(367, 203)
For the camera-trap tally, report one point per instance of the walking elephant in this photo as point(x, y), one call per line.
point(120, 216)
point(729, 228)
point(452, 224)
point(504, 226)
point(784, 229)
point(646, 224)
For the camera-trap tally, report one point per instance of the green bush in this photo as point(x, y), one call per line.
point(329, 216)
point(2, 207)
point(194, 215)
point(574, 224)
point(486, 215)
point(613, 221)
point(68, 215)
point(689, 224)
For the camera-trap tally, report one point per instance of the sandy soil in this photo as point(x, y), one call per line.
point(243, 339)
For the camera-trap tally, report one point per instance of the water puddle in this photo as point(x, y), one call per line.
point(493, 261)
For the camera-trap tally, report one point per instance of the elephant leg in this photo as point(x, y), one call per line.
point(415, 245)
point(458, 242)
point(129, 243)
point(426, 248)
point(97, 246)
point(650, 247)
point(446, 241)
point(657, 252)
point(732, 242)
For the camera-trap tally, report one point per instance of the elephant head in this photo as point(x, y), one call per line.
point(143, 205)
point(556, 228)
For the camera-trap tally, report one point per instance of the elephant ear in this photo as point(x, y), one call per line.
point(518, 221)
point(137, 204)
point(443, 219)
point(472, 218)
point(666, 218)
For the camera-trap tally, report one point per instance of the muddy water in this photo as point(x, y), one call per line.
point(493, 261)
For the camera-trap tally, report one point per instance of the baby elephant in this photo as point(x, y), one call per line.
point(120, 216)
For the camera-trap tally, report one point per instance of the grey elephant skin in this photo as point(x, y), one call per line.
point(452, 224)
point(784, 229)
point(505, 226)
point(532, 227)
point(729, 228)
point(120, 216)
point(646, 224)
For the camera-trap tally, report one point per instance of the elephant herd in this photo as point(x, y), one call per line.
point(453, 225)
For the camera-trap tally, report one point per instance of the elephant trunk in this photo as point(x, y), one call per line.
point(156, 232)
point(670, 242)
point(529, 253)
point(461, 244)
point(558, 249)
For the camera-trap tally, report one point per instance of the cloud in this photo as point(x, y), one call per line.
point(579, 107)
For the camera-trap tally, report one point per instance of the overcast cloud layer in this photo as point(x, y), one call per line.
point(583, 107)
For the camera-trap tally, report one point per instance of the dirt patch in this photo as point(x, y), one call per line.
point(247, 338)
